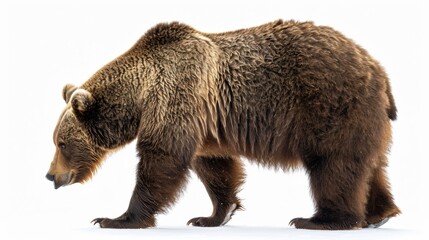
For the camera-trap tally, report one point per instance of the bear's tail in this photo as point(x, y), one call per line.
point(391, 110)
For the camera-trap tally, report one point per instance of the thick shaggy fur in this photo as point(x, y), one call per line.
point(284, 94)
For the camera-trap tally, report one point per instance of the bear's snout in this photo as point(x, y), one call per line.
point(60, 180)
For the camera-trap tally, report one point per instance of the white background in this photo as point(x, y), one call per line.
point(48, 44)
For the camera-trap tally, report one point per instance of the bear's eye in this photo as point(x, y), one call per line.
point(62, 146)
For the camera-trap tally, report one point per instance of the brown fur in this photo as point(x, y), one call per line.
point(284, 94)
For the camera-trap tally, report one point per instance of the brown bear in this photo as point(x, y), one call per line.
point(285, 94)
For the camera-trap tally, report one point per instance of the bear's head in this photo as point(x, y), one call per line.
point(77, 155)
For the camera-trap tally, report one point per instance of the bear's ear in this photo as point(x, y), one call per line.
point(68, 90)
point(82, 101)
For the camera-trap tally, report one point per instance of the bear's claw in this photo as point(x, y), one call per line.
point(214, 221)
point(123, 221)
point(99, 221)
point(379, 224)
point(309, 223)
point(204, 222)
point(96, 220)
point(114, 223)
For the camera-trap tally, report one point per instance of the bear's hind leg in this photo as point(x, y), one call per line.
point(380, 206)
point(339, 187)
point(222, 177)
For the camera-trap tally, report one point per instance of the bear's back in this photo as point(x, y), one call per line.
point(286, 80)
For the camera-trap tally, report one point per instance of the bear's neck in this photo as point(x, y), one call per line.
point(116, 89)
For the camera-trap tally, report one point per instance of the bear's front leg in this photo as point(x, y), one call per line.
point(160, 177)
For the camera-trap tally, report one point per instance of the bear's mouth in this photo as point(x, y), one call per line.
point(64, 180)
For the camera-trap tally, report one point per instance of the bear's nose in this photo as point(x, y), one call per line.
point(50, 177)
